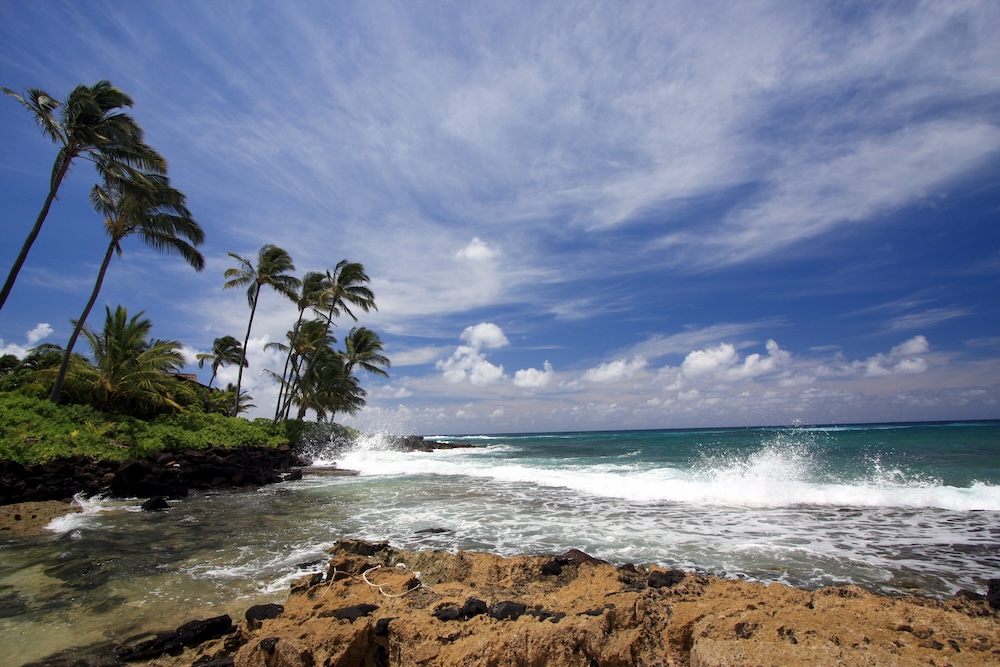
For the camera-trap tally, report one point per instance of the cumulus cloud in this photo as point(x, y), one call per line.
point(469, 362)
point(902, 359)
point(723, 362)
point(477, 250)
point(615, 371)
point(39, 332)
point(485, 334)
point(532, 378)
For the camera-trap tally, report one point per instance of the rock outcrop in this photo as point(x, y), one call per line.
point(171, 474)
point(379, 607)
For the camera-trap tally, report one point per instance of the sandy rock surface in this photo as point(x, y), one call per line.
point(27, 519)
point(377, 606)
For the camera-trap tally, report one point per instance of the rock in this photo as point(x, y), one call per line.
point(661, 579)
point(154, 504)
point(507, 611)
point(354, 612)
point(590, 618)
point(262, 612)
point(187, 635)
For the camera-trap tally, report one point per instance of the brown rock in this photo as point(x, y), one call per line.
point(588, 616)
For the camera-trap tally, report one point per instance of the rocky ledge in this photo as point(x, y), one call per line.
point(378, 607)
point(171, 474)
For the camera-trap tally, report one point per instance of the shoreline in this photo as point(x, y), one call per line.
point(376, 605)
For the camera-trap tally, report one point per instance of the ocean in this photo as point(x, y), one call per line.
point(894, 508)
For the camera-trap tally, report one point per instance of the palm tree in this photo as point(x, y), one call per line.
point(225, 350)
point(89, 124)
point(326, 387)
point(273, 265)
point(363, 348)
point(312, 285)
point(311, 339)
point(148, 207)
point(129, 371)
point(343, 288)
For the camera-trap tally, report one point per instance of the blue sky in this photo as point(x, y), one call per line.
point(575, 215)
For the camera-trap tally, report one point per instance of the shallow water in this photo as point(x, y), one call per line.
point(891, 508)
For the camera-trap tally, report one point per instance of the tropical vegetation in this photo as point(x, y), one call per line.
point(128, 394)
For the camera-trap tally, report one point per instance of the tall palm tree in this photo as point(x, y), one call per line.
point(272, 269)
point(312, 285)
point(363, 348)
point(344, 287)
point(225, 351)
point(89, 124)
point(128, 372)
point(148, 207)
point(301, 347)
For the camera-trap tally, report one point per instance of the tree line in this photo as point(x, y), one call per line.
point(133, 373)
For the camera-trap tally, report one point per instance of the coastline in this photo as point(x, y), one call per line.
point(375, 605)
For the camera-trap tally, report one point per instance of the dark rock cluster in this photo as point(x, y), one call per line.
point(171, 474)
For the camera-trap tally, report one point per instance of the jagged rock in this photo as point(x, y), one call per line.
point(589, 618)
point(187, 635)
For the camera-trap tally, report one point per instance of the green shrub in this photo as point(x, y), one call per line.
point(34, 430)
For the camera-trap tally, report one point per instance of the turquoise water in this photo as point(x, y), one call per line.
point(895, 508)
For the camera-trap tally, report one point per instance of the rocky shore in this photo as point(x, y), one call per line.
point(170, 474)
point(375, 606)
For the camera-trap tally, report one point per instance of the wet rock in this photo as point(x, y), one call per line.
point(173, 643)
point(360, 547)
point(154, 504)
point(993, 593)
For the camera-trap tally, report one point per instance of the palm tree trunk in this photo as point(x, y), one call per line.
point(288, 359)
point(68, 354)
point(243, 356)
point(312, 361)
point(23, 255)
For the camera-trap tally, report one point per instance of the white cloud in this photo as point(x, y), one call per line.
point(477, 250)
point(615, 371)
point(902, 359)
point(37, 333)
point(484, 334)
point(415, 356)
point(723, 363)
point(41, 331)
point(469, 362)
point(532, 378)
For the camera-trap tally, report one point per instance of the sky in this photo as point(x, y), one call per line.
point(575, 215)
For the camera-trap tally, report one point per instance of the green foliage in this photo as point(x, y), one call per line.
point(34, 430)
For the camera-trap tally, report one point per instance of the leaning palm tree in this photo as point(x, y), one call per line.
point(343, 288)
point(148, 207)
point(363, 348)
point(312, 285)
point(130, 370)
point(89, 124)
point(272, 269)
point(225, 351)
